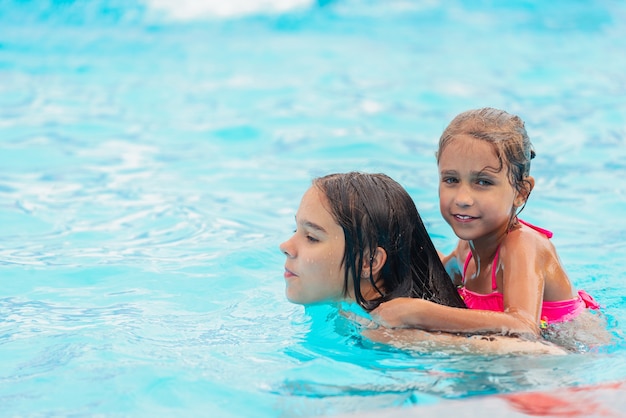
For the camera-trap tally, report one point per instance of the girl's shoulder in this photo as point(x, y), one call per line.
point(529, 250)
point(529, 238)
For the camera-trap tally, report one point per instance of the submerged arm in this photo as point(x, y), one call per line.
point(423, 341)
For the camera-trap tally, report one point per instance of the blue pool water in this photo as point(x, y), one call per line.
point(153, 154)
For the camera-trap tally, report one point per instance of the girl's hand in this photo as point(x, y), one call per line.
point(396, 313)
point(359, 319)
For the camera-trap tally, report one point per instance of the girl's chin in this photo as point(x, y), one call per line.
point(297, 298)
point(464, 234)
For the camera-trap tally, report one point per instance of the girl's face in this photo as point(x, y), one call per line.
point(313, 269)
point(474, 197)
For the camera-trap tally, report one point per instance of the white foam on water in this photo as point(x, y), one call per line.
point(185, 10)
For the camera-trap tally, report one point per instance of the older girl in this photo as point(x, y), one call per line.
point(360, 238)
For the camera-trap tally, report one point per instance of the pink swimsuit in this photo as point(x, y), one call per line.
point(551, 311)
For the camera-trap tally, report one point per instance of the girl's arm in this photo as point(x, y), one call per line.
point(430, 316)
point(522, 286)
point(423, 341)
point(523, 265)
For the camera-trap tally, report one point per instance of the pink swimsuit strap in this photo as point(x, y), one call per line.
point(494, 284)
point(545, 232)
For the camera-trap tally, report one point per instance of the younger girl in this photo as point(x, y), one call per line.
point(509, 273)
point(360, 238)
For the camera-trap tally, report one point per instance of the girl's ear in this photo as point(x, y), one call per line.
point(522, 195)
point(378, 260)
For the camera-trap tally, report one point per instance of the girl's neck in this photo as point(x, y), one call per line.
point(484, 249)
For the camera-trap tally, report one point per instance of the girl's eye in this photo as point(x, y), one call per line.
point(311, 239)
point(450, 180)
point(484, 182)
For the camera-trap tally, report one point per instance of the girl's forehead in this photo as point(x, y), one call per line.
point(314, 206)
point(311, 201)
point(466, 146)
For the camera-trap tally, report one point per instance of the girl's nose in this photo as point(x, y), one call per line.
point(287, 249)
point(463, 196)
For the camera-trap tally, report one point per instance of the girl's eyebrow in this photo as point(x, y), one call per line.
point(448, 171)
point(312, 225)
point(488, 170)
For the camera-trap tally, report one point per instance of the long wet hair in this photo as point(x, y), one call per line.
point(375, 211)
point(507, 135)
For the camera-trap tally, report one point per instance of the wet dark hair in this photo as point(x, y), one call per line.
point(375, 211)
point(505, 132)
